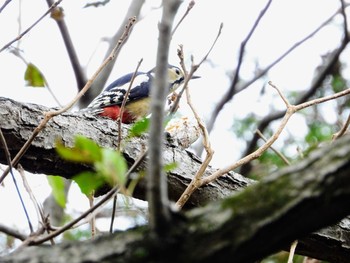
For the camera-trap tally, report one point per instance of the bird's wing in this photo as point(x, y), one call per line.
point(115, 92)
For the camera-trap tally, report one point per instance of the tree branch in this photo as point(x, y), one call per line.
point(316, 84)
point(157, 189)
point(99, 83)
point(263, 218)
point(18, 120)
point(58, 16)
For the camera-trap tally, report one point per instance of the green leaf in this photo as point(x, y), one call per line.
point(112, 167)
point(84, 150)
point(57, 186)
point(338, 83)
point(33, 76)
point(88, 182)
point(88, 146)
point(139, 127)
point(318, 132)
point(170, 166)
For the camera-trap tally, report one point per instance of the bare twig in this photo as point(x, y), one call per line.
point(12, 232)
point(4, 5)
point(317, 82)
point(121, 112)
point(122, 107)
point(58, 15)
point(343, 129)
point(39, 209)
point(49, 115)
point(105, 198)
point(292, 251)
point(189, 7)
point(93, 218)
point(195, 182)
point(54, 5)
point(238, 88)
point(194, 68)
point(291, 109)
point(8, 159)
point(228, 96)
point(345, 24)
point(283, 158)
point(133, 11)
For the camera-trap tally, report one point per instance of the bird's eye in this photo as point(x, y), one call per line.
point(177, 71)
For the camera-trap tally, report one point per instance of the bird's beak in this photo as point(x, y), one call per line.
point(195, 77)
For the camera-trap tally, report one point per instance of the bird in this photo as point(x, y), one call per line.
point(137, 104)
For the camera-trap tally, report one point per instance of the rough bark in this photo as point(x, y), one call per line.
point(17, 122)
point(257, 221)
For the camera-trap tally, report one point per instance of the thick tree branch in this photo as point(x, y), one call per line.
point(17, 122)
point(263, 218)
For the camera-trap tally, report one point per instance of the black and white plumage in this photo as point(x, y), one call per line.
point(109, 101)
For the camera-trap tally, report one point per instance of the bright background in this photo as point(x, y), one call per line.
point(285, 23)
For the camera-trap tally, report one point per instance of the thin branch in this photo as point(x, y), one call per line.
point(343, 13)
point(317, 82)
point(133, 11)
point(12, 232)
point(121, 112)
point(291, 109)
point(189, 7)
point(194, 68)
point(321, 100)
point(285, 54)
point(237, 89)
point(279, 154)
point(4, 5)
point(32, 26)
point(39, 209)
point(292, 251)
point(343, 129)
point(228, 96)
point(8, 159)
point(195, 182)
point(104, 199)
point(17, 53)
point(122, 107)
point(49, 115)
point(58, 15)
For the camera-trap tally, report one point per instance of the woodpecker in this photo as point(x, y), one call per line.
point(108, 102)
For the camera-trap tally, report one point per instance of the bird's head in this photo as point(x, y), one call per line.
point(176, 77)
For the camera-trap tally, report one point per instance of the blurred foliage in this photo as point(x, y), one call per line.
point(244, 128)
point(170, 166)
point(57, 186)
point(338, 83)
point(139, 128)
point(318, 132)
point(33, 76)
point(282, 257)
point(77, 234)
point(109, 165)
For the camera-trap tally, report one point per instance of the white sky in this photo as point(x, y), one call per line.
point(285, 23)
